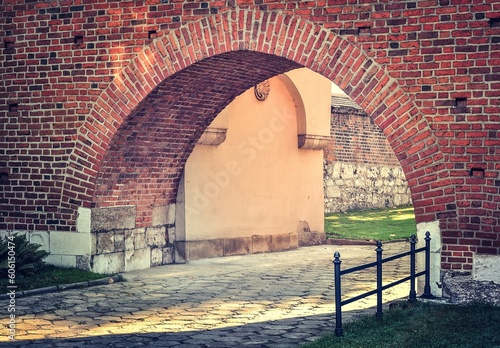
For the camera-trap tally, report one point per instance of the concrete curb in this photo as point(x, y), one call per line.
point(49, 289)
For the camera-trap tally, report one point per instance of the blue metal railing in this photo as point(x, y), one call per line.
point(380, 261)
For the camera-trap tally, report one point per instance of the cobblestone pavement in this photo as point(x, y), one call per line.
point(264, 300)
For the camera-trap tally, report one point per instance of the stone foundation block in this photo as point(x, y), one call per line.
point(105, 242)
point(311, 238)
point(139, 239)
point(119, 241)
point(350, 186)
point(129, 238)
point(237, 246)
point(137, 259)
point(83, 262)
point(156, 236)
point(160, 213)
point(164, 215)
point(261, 244)
point(83, 220)
point(70, 243)
point(280, 242)
point(108, 263)
point(156, 257)
point(168, 255)
point(113, 218)
point(204, 249)
point(171, 214)
point(486, 268)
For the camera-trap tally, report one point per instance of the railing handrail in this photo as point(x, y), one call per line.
point(380, 261)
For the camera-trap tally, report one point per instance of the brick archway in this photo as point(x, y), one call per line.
point(132, 148)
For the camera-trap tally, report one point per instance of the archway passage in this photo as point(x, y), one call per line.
point(157, 107)
point(135, 142)
point(253, 183)
point(146, 157)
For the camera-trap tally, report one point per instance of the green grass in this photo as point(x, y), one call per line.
point(50, 275)
point(381, 224)
point(422, 326)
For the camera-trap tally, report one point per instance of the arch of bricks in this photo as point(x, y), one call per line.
point(137, 133)
point(147, 121)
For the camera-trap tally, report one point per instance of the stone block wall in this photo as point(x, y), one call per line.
point(360, 168)
point(118, 245)
point(108, 240)
point(354, 186)
point(355, 138)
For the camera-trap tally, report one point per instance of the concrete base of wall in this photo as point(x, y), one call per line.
point(311, 238)
point(486, 268)
point(200, 249)
point(435, 257)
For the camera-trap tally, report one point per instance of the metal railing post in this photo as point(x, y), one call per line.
point(427, 287)
point(338, 295)
point(378, 291)
point(413, 293)
point(379, 279)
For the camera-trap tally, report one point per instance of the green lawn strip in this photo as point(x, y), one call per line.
point(423, 325)
point(51, 275)
point(380, 224)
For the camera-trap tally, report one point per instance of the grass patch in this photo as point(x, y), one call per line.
point(380, 224)
point(422, 325)
point(50, 275)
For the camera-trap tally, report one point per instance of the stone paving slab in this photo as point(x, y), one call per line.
point(260, 300)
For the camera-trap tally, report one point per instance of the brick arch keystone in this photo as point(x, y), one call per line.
point(275, 44)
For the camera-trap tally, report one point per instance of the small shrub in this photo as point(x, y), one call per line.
point(26, 256)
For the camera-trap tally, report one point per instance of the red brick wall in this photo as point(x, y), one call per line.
point(356, 139)
point(79, 126)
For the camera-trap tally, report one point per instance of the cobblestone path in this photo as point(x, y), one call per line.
point(263, 300)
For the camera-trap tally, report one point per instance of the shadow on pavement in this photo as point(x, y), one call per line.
point(276, 334)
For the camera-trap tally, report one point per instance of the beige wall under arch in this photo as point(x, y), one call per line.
point(248, 186)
